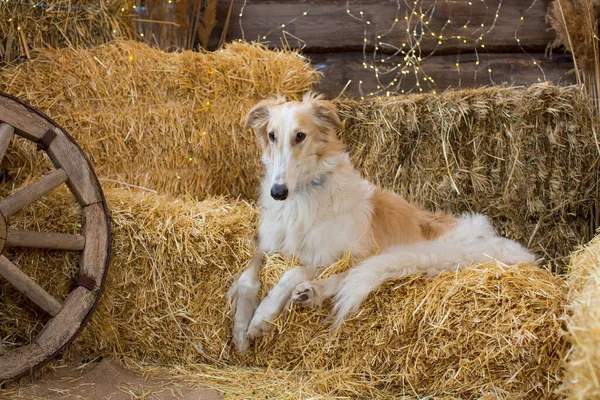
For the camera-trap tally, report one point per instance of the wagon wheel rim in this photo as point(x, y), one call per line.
point(93, 243)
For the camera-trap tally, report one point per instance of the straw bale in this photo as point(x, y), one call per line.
point(582, 370)
point(171, 122)
point(488, 329)
point(524, 156)
point(29, 25)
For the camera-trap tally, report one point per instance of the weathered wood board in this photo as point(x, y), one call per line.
point(516, 69)
point(331, 26)
point(510, 47)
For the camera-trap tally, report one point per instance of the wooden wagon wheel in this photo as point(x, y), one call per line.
point(93, 243)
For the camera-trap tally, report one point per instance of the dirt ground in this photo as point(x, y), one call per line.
point(101, 379)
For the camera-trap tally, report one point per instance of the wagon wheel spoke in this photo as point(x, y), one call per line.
point(23, 198)
point(44, 240)
point(28, 287)
point(6, 134)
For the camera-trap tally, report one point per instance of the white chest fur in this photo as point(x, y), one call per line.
point(318, 223)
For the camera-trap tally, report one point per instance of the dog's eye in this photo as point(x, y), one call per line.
point(272, 136)
point(300, 136)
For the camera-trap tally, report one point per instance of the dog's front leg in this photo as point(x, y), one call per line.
point(243, 298)
point(272, 305)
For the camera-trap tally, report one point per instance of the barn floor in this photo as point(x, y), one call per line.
point(105, 379)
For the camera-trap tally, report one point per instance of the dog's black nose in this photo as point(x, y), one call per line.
point(279, 192)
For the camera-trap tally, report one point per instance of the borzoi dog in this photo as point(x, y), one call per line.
point(315, 206)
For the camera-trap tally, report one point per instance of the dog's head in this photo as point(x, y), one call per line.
point(298, 139)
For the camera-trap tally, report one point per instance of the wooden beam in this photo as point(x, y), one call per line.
point(64, 153)
point(28, 287)
point(328, 27)
point(27, 123)
point(44, 240)
point(19, 361)
point(6, 134)
point(29, 194)
point(472, 71)
point(63, 327)
point(96, 229)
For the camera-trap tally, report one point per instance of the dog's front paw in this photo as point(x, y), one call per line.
point(240, 340)
point(259, 328)
point(241, 300)
point(306, 294)
point(261, 321)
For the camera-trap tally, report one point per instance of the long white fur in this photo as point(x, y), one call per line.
point(327, 213)
point(473, 240)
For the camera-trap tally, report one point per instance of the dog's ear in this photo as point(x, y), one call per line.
point(258, 116)
point(326, 114)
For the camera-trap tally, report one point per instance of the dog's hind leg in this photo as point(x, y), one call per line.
point(272, 305)
point(243, 298)
point(424, 258)
point(312, 293)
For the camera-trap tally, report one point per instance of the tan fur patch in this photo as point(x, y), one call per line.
point(396, 221)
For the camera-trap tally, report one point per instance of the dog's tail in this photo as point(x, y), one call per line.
point(428, 258)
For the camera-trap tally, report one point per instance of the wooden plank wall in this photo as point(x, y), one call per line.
point(376, 47)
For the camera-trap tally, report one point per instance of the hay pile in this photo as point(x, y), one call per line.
point(526, 157)
point(171, 122)
point(489, 329)
point(582, 372)
point(29, 25)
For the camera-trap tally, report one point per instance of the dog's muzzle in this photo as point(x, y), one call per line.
point(279, 192)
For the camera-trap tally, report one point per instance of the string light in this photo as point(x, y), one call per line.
point(397, 63)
